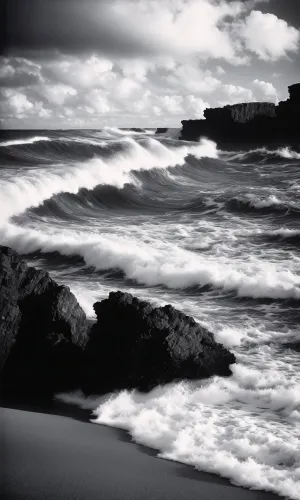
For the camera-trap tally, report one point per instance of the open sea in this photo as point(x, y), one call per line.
point(214, 233)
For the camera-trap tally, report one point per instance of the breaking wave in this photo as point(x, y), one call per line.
point(29, 140)
point(232, 427)
point(138, 176)
point(175, 268)
point(284, 234)
point(271, 203)
point(31, 189)
point(127, 132)
point(263, 154)
point(215, 234)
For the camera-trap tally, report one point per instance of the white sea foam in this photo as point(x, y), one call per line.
point(270, 201)
point(172, 133)
point(29, 140)
point(243, 428)
point(163, 263)
point(282, 232)
point(286, 153)
point(92, 141)
point(233, 336)
point(35, 186)
point(118, 131)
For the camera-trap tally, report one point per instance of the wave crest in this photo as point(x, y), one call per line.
point(253, 203)
point(263, 154)
point(29, 140)
point(30, 190)
point(172, 267)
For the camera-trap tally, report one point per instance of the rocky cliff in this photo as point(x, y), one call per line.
point(42, 331)
point(135, 345)
point(290, 109)
point(257, 123)
point(46, 346)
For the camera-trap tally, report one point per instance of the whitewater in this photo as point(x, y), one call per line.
point(216, 234)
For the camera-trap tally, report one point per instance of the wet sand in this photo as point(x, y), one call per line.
point(54, 457)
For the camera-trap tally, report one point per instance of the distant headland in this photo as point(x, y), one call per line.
point(258, 123)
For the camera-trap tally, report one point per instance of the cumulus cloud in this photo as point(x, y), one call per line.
point(91, 89)
point(138, 68)
point(58, 93)
point(236, 93)
point(19, 72)
point(18, 102)
point(15, 104)
point(98, 102)
point(156, 61)
point(220, 70)
point(265, 90)
point(85, 71)
point(191, 78)
point(195, 106)
point(122, 92)
point(180, 27)
point(269, 37)
point(259, 90)
point(132, 28)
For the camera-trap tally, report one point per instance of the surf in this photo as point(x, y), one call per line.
point(31, 189)
point(231, 427)
point(161, 264)
point(213, 233)
point(21, 142)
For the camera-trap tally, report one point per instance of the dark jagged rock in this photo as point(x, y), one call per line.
point(44, 346)
point(240, 113)
point(289, 111)
point(134, 345)
point(254, 123)
point(42, 331)
point(161, 130)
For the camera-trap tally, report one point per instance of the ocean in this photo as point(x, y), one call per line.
point(214, 233)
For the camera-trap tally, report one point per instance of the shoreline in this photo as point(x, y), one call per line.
point(44, 448)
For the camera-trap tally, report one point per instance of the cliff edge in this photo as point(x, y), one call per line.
point(257, 123)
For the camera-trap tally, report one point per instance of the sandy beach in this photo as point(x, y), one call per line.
point(56, 457)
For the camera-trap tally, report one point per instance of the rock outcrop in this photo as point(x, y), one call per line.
point(134, 345)
point(42, 331)
point(290, 109)
point(136, 129)
point(161, 130)
point(240, 113)
point(255, 123)
point(45, 347)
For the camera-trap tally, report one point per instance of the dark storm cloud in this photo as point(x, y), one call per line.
point(67, 26)
point(89, 62)
point(18, 72)
point(19, 80)
point(289, 10)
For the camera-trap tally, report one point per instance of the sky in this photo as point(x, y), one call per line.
point(141, 63)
